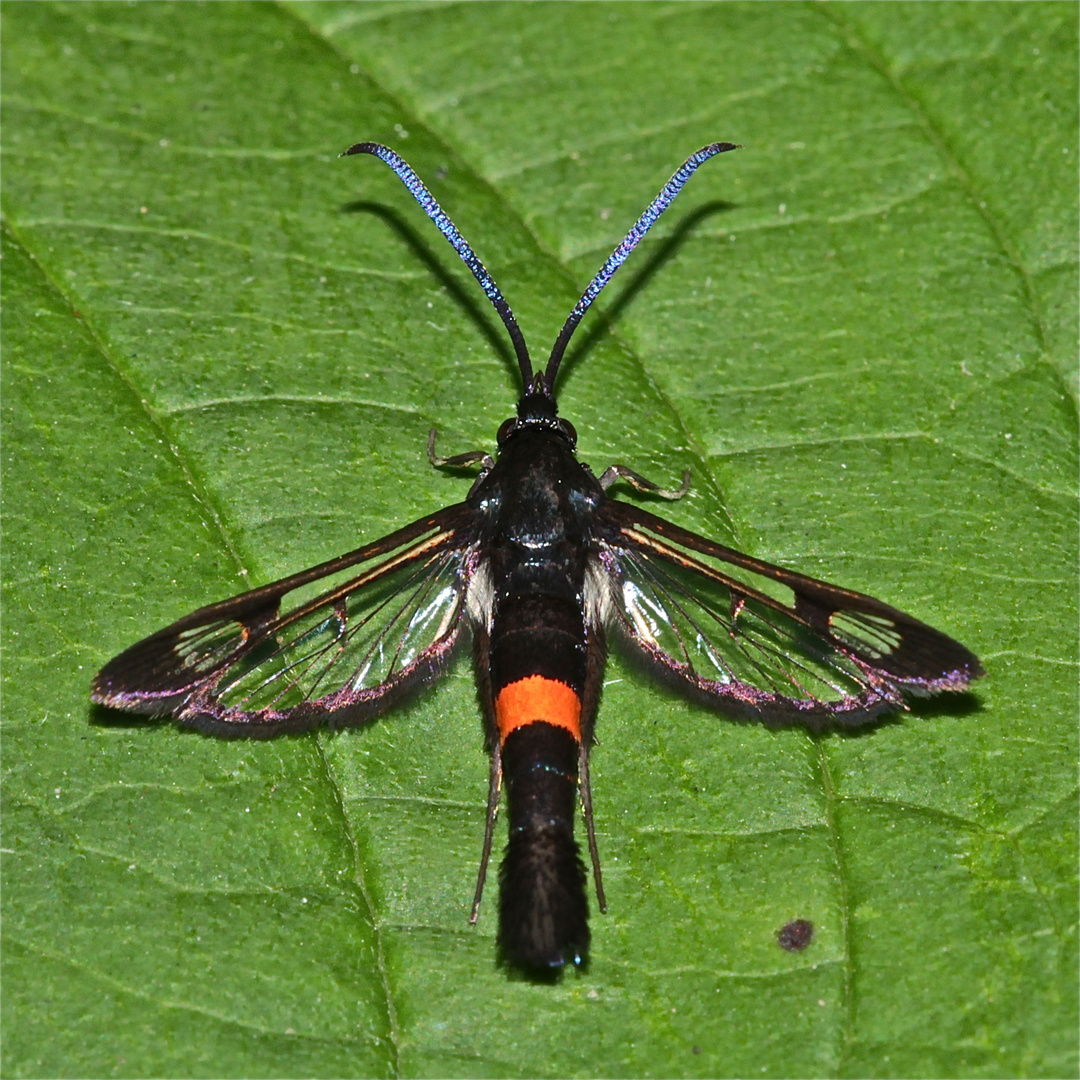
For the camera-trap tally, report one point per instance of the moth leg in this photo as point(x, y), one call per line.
point(635, 480)
point(494, 790)
point(458, 460)
point(590, 826)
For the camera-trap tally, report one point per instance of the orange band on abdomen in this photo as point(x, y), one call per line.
point(536, 698)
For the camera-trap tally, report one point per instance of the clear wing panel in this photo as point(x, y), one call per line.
point(351, 641)
point(728, 638)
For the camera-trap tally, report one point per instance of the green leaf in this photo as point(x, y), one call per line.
point(224, 349)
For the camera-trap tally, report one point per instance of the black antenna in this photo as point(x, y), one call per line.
point(434, 211)
point(619, 255)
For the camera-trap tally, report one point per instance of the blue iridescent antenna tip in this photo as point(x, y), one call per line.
point(628, 243)
point(442, 220)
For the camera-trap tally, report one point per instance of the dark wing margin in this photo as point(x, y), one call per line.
point(349, 644)
point(761, 642)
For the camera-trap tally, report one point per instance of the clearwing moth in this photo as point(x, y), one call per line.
point(537, 568)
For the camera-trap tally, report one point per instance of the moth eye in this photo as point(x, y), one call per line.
point(568, 430)
point(506, 429)
point(874, 636)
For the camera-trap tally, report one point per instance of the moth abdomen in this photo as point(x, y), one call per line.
point(543, 910)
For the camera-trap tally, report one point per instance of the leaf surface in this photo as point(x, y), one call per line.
point(224, 349)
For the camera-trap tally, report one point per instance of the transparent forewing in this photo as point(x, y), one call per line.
point(739, 648)
point(341, 650)
point(764, 641)
point(334, 644)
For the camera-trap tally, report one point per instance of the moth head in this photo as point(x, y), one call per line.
point(536, 412)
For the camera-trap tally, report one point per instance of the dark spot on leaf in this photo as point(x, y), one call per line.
point(795, 935)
